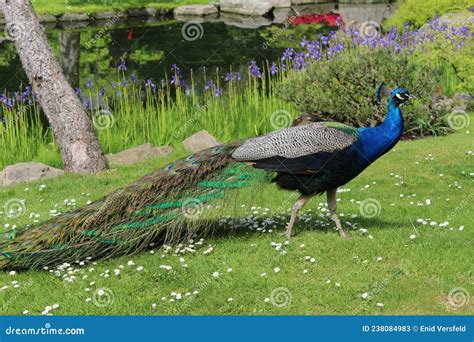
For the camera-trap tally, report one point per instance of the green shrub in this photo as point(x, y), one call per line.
point(343, 89)
point(456, 64)
point(418, 12)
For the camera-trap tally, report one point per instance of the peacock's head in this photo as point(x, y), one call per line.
point(400, 95)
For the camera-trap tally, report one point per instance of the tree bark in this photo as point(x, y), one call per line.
point(73, 129)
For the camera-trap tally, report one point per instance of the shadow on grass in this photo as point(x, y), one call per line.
point(202, 228)
point(214, 230)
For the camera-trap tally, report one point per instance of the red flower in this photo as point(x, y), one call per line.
point(330, 19)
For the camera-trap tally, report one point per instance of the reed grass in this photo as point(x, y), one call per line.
point(133, 113)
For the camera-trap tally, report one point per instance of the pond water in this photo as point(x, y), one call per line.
point(151, 46)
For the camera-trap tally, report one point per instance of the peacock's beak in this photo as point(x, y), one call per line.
point(411, 97)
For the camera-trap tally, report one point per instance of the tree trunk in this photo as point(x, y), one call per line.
point(70, 48)
point(80, 149)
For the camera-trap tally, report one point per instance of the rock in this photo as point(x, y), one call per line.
point(27, 172)
point(108, 15)
point(74, 17)
point(459, 107)
point(200, 141)
point(461, 101)
point(356, 14)
point(458, 19)
point(304, 2)
point(212, 18)
point(363, 1)
point(448, 103)
point(280, 15)
point(136, 154)
point(246, 7)
point(455, 19)
point(280, 3)
point(50, 26)
point(244, 21)
point(313, 8)
point(464, 96)
point(196, 10)
point(442, 102)
point(72, 24)
point(141, 12)
point(47, 18)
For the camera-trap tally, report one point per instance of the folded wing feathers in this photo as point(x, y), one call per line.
point(294, 142)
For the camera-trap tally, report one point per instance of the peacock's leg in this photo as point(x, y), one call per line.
point(294, 213)
point(332, 204)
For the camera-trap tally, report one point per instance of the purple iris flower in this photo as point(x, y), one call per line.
point(217, 92)
point(299, 60)
point(255, 70)
point(175, 69)
point(229, 77)
point(149, 83)
point(122, 66)
point(26, 93)
point(273, 68)
point(287, 54)
point(209, 85)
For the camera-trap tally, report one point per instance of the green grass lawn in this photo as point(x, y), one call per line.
point(399, 264)
point(90, 6)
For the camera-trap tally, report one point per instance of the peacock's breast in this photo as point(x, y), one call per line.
point(375, 142)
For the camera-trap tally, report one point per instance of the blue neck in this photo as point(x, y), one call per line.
point(376, 141)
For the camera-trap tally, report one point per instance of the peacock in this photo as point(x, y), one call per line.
point(310, 158)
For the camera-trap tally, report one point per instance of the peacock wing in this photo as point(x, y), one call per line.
point(301, 149)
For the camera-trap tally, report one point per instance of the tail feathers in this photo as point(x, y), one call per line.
point(159, 208)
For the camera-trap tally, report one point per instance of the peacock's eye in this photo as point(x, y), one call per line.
point(402, 96)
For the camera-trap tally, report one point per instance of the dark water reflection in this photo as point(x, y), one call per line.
point(149, 51)
point(151, 47)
